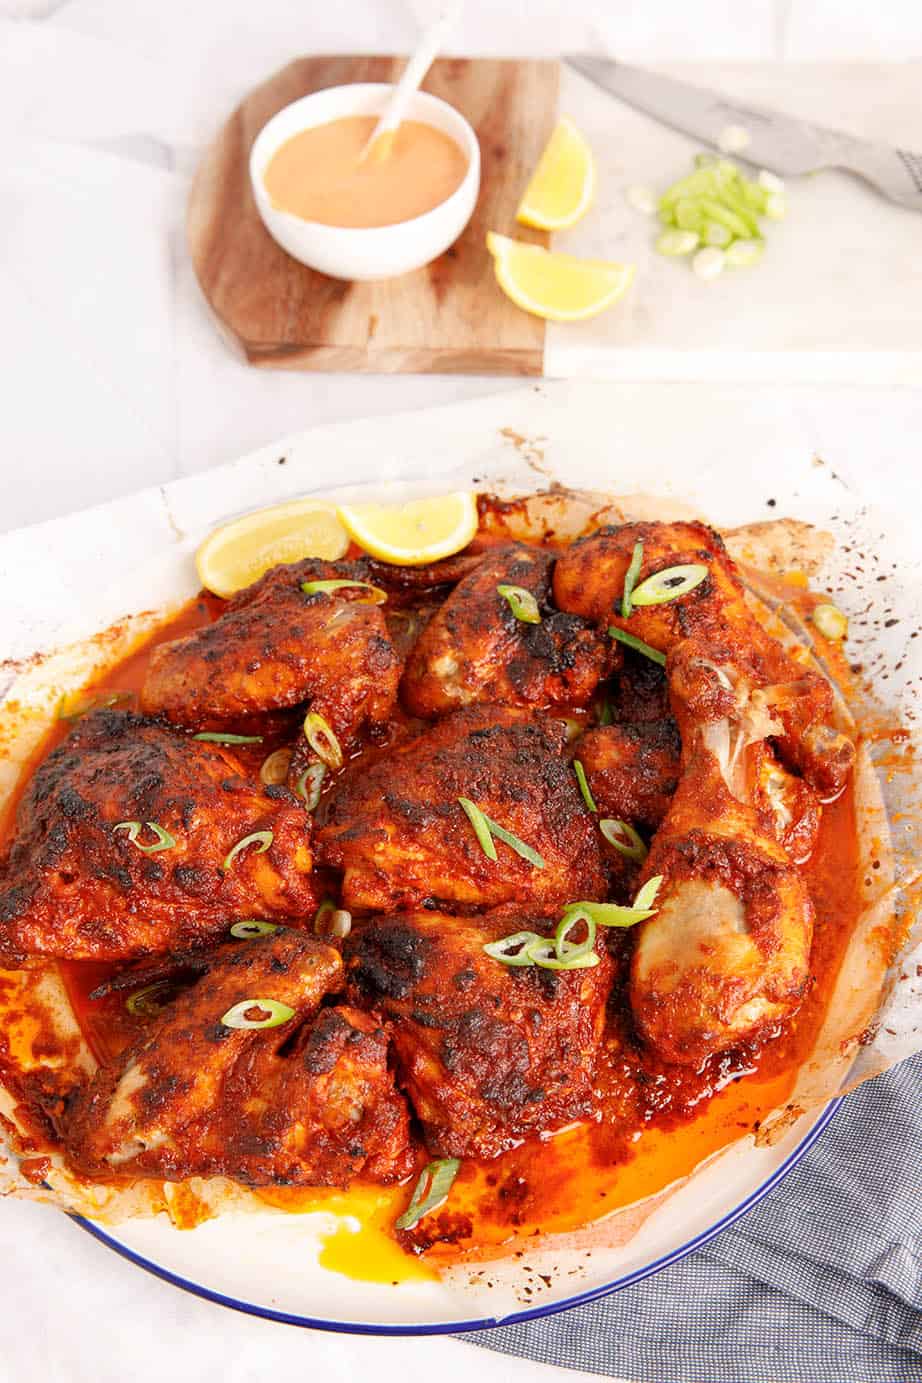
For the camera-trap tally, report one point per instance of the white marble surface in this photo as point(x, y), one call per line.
point(114, 380)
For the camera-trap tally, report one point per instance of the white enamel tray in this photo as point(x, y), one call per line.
point(726, 453)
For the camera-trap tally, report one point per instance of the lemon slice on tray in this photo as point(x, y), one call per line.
point(238, 553)
point(415, 533)
point(563, 184)
point(560, 287)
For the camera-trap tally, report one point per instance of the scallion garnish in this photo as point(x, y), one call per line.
point(613, 914)
point(322, 740)
point(563, 945)
point(624, 838)
point(164, 840)
point(142, 1003)
point(604, 712)
point(830, 621)
point(519, 846)
point(252, 927)
point(638, 645)
point(257, 1013)
point(584, 785)
point(310, 783)
point(630, 579)
point(101, 701)
point(261, 838)
point(431, 1190)
point(513, 949)
point(647, 895)
point(376, 596)
point(324, 912)
point(522, 603)
point(670, 583)
point(481, 825)
point(543, 953)
point(219, 737)
point(274, 768)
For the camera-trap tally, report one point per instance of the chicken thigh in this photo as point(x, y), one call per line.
point(474, 648)
point(121, 846)
point(487, 1053)
point(398, 831)
point(309, 1101)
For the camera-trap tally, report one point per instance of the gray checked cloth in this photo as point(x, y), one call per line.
point(820, 1283)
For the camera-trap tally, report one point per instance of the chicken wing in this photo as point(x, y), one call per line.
point(475, 649)
point(274, 646)
point(727, 954)
point(308, 1102)
point(398, 831)
point(119, 846)
point(589, 581)
point(488, 1053)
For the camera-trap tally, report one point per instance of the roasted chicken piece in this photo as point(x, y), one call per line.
point(589, 581)
point(632, 769)
point(397, 829)
point(273, 646)
point(488, 1053)
point(120, 839)
point(308, 1102)
point(727, 954)
point(475, 649)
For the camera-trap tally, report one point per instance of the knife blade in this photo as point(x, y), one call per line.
point(781, 143)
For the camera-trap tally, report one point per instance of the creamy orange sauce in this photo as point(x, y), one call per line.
point(319, 174)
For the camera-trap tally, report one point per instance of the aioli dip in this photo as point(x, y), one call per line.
point(317, 175)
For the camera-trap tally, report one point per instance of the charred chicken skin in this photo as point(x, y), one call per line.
point(487, 1053)
point(474, 649)
point(589, 581)
point(75, 885)
point(273, 647)
point(309, 1102)
point(727, 953)
point(402, 839)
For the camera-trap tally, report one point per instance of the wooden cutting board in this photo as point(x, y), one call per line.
point(447, 317)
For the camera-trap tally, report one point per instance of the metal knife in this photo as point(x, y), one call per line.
point(780, 143)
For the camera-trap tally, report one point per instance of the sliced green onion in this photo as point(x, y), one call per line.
point(670, 583)
point(776, 207)
point(610, 914)
point(377, 596)
point(142, 1003)
point(641, 198)
point(324, 911)
point(743, 253)
point(574, 728)
point(264, 839)
point(638, 645)
point(647, 895)
point(543, 953)
point(604, 712)
point(164, 840)
point(677, 242)
point(274, 769)
point(584, 786)
point(219, 737)
point(566, 948)
point(481, 825)
point(770, 181)
point(716, 234)
point(830, 621)
point(708, 263)
point(102, 701)
point(431, 1190)
point(513, 949)
point(273, 1014)
point(243, 930)
point(522, 603)
point(630, 579)
point(309, 785)
point(624, 838)
point(322, 740)
point(519, 846)
point(733, 139)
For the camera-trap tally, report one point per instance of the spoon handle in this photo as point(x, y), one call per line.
point(418, 65)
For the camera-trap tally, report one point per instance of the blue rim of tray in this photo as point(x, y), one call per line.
point(488, 1322)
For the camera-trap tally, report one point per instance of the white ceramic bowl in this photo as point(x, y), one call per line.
point(379, 252)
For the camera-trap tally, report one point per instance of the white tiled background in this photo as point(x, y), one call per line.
point(113, 379)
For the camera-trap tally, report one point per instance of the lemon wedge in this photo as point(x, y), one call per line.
point(563, 184)
point(238, 553)
point(411, 534)
point(560, 287)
